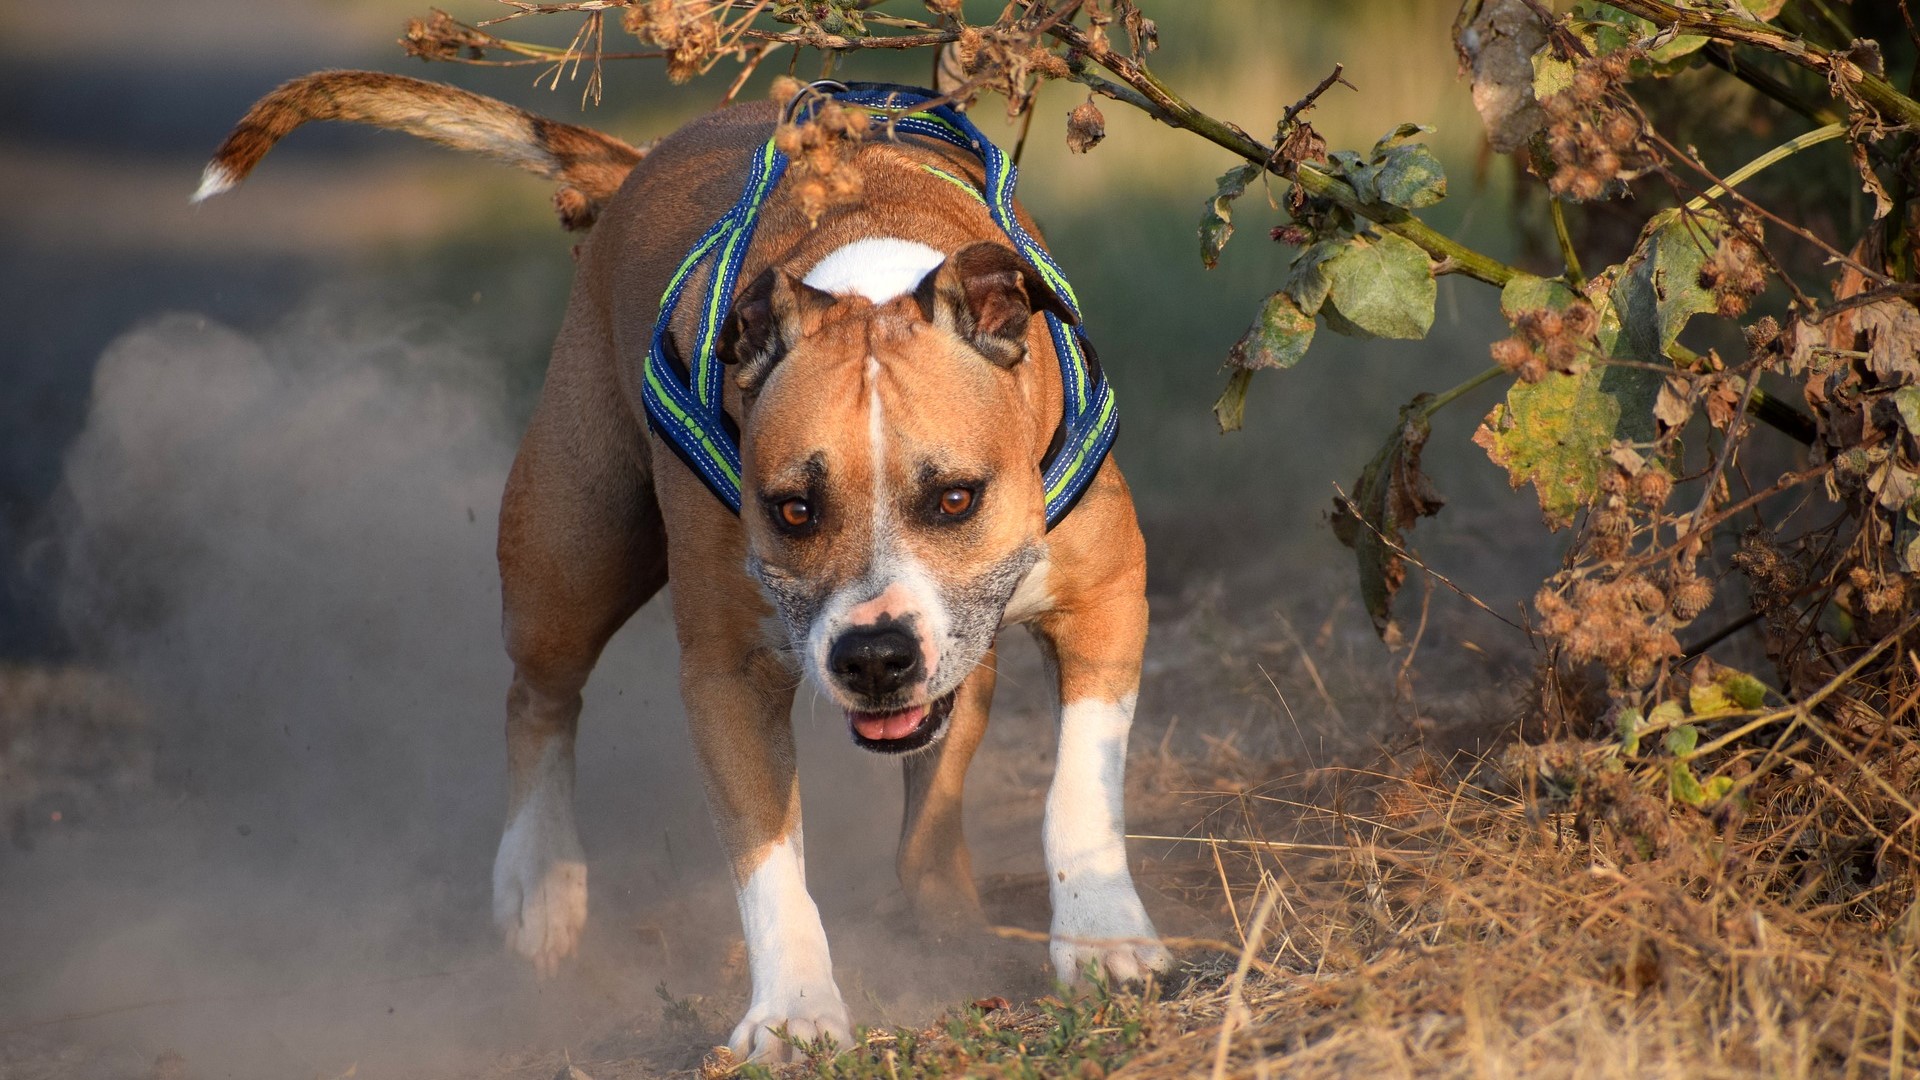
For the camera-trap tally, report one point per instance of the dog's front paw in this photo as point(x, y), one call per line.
point(540, 891)
point(805, 1015)
point(1104, 932)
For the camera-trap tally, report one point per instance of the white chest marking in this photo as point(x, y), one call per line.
point(1031, 598)
point(878, 268)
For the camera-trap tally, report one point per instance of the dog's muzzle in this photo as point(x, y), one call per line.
point(881, 666)
point(902, 731)
point(878, 662)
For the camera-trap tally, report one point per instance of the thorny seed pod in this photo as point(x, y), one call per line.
point(1607, 546)
point(1689, 596)
point(1511, 353)
point(1047, 64)
point(1563, 354)
point(1580, 320)
point(1653, 487)
point(1556, 618)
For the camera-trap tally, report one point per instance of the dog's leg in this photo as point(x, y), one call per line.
point(935, 867)
point(581, 548)
point(739, 694)
point(1098, 920)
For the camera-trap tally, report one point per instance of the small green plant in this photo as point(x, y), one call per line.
point(1079, 1038)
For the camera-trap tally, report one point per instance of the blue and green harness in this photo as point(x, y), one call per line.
point(684, 400)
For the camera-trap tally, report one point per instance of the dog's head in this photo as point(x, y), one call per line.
point(891, 492)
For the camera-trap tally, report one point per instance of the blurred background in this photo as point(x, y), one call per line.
point(251, 453)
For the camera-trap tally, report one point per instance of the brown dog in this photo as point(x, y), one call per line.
point(895, 392)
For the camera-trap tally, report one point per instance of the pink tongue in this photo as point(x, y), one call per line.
point(887, 726)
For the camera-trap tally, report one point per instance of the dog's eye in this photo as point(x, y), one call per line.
point(795, 513)
point(956, 501)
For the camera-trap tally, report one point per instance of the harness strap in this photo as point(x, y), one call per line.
point(684, 401)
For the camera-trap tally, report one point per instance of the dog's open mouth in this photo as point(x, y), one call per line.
point(901, 730)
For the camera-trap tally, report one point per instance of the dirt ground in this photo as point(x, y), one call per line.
point(1230, 700)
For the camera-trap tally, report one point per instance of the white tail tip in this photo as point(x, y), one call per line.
point(215, 181)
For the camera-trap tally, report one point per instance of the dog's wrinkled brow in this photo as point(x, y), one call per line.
point(809, 474)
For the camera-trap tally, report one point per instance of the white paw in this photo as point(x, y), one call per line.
point(540, 889)
point(1104, 935)
point(806, 1015)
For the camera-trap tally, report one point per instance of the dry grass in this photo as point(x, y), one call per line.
point(1520, 917)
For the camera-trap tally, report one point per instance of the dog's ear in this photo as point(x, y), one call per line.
point(766, 320)
point(987, 294)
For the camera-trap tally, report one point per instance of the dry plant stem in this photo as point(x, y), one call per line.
point(1724, 58)
point(837, 42)
point(1236, 1011)
point(1804, 708)
point(1875, 91)
point(1351, 508)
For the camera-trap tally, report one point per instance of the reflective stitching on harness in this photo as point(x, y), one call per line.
point(689, 415)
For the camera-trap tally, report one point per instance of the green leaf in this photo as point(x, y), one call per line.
point(1747, 692)
point(1658, 288)
point(1667, 714)
point(1408, 177)
point(1628, 725)
point(1398, 172)
point(1382, 285)
point(1718, 788)
point(1684, 785)
point(1550, 74)
point(1607, 29)
point(1555, 434)
point(1391, 496)
point(1278, 337)
point(1306, 279)
point(1216, 223)
point(1230, 410)
point(1398, 137)
point(1681, 740)
point(1528, 293)
point(1729, 690)
point(1341, 163)
point(1907, 401)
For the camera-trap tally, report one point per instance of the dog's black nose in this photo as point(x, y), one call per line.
point(875, 661)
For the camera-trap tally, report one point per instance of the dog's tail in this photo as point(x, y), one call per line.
point(589, 165)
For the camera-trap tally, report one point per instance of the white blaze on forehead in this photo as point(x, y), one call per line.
point(878, 268)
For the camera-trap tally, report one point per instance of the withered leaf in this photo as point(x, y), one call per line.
point(1391, 496)
point(1723, 401)
point(1216, 224)
point(1556, 433)
point(1892, 331)
point(1673, 406)
point(1230, 409)
point(1278, 338)
point(1085, 128)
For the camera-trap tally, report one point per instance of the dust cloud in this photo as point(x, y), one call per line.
point(281, 547)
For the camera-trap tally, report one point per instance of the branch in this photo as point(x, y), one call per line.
point(1148, 94)
point(1872, 89)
